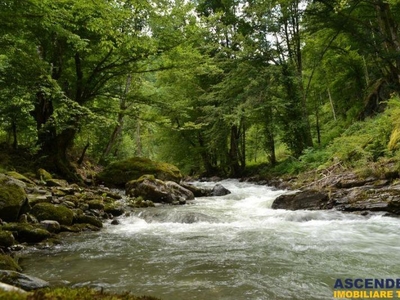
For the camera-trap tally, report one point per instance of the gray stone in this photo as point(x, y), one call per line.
point(22, 281)
point(51, 225)
point(150, 188)
point(308, 199)
point(10, 288)
point(219, 190)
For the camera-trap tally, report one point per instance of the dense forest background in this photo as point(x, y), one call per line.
point(214, 86)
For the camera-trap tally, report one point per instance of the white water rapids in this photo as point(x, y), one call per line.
point(238, 248)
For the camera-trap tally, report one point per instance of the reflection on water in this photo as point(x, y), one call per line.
point(232, 247)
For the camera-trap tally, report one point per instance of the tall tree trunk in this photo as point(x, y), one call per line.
point(243, 147)
point(270, 136)
point(14, 132)
point(235, 170)
point(138, 140)
point(210, 169)
point(120, 121)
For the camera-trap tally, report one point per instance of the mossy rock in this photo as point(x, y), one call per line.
point(13, 199)
point(26, 232)
point(83, 219)
point(6, 239)
point(119, 173)
point(96, 204)
point(114, 209)
point(43, 175)
point(48, 211)
point(57, 183)
point(139, 202)
point(8, 263)
point(79, 227)
point(158, 191)
point(51, 226)
point(21, 177)
point(23, 281)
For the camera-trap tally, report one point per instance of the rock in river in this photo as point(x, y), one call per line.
point(150, 188)
point(308, 199)
point(119, 173)
point(22, 281)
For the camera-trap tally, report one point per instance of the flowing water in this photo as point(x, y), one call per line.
point(232, 247)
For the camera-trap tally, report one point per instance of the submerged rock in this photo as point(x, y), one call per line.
point(174, 216)
point(119, 173)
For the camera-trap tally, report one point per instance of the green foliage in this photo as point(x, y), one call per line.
point(207, 85)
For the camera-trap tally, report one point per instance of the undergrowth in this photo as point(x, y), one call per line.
point(363, 147)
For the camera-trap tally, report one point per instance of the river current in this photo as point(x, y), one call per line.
point(233, 247)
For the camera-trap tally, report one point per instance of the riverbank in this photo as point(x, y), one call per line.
point(375, 189)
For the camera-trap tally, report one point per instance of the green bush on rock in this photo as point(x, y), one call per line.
point(119, 173)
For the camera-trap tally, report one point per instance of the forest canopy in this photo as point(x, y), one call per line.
point(213, 86)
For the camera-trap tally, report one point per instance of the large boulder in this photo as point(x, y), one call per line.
point(156, 190)
point(13, 200)
point(48, 211)
point(119, 173)
point(308, 199)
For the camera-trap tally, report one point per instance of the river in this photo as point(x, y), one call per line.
point(236, 248)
